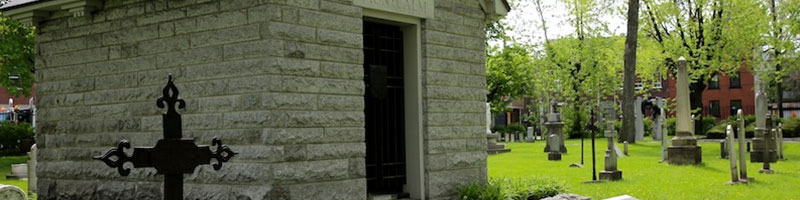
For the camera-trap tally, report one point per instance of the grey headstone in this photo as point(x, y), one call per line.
point(732, 153)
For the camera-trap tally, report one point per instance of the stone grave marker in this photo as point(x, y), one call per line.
point(742, 144)
point(18, 171)
point(554, 140)
point(768, 143)
point(723, 148)
point(530, 137)
point(684, 149)
point(610, 171)
point(10, 192)
point(732, 152)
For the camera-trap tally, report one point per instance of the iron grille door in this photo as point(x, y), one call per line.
point(383, 76)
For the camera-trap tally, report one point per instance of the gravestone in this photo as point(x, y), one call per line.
point(768, 145)
point(638, 118)
point(610, 171)
point(530, 137)
point(723, 148)
point(554, 125)
point(32, 169)
point(554, 140)
point(760, 142)
point(554, 154)
point(742, 144)
point(10, 192)
point(729, 143)
point(491, 138)
point(625, 145)
point(18, 171)
point(684, 149)
point(662, 133)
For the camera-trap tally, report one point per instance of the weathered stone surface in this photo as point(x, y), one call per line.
point(10, 192)
point(344, 189)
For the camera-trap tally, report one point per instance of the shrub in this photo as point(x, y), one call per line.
point(528, 188)
point(648, 126)
point(717, 132)
point(499, 129)
point(11, 134)
point(511, 188)
point(791, 127)
point(749, 119)
point(671, 126)
point(515, 127)
point(708, 123)
point(478, 191)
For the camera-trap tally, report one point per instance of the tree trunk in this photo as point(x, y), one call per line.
point(696, 101)
point(628, 130)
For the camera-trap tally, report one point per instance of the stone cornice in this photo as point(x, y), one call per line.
point(495, 9)
point(32, 13)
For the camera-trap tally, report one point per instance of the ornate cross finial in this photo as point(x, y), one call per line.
point(170, 100)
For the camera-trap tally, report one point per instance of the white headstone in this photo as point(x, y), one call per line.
point(488, 119)
point(639, 118)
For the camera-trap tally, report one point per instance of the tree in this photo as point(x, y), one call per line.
point(782, 40)
point(16, 57)
point(507, 75)
point(715, 36)
point(630, 72)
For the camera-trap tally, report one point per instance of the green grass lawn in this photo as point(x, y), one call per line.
point(5, 169)
point(645, 178)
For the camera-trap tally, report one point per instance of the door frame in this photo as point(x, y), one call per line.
point(412, 92)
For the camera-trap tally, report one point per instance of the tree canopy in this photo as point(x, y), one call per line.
point(16, 57)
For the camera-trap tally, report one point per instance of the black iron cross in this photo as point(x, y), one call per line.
point(172, 156)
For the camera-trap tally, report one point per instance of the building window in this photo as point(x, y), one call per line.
point(713, 108)
point(714, 82)
point(736, 82)
point(735, 106)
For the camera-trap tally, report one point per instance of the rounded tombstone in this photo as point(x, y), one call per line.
point(10, 192)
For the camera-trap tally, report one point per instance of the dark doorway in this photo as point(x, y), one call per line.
point(384, 110)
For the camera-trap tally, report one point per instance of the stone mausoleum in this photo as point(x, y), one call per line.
point(323, 99)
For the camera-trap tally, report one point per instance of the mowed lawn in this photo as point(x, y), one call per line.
point(645, 178)
point(5, 169)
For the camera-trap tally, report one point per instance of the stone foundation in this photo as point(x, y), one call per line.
point(684, 155)
point(553, 156)
point(611, 175)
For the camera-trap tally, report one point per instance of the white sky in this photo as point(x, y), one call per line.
point(524, 22)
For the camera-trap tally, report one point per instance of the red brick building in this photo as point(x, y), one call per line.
point(22, 100)
point(724, 94)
